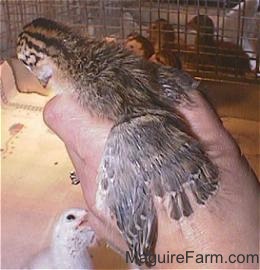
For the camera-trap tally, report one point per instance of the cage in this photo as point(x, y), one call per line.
point(223, 53)
point(228, 51)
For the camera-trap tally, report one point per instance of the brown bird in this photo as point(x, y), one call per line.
point(139, 45)
point(162, 35)
point(167, 58)
point(150, 151)
point(163, 39)
point(210, 54)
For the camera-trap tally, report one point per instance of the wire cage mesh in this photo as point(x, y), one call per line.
point(214, 54)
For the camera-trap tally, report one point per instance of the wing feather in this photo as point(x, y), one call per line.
point(149, 156)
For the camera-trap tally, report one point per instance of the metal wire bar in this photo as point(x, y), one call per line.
point(217, 37)
point(99, 18)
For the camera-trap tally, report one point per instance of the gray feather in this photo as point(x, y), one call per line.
point(151, 157)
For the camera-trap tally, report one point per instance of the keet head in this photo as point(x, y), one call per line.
point(39, 44)
point(139, 45)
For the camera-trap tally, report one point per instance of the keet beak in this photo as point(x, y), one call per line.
point(44, 81)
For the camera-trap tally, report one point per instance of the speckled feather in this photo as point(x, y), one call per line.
point(149, 151)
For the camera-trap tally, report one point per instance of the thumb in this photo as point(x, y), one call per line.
point(82, 132)
point(207, 126)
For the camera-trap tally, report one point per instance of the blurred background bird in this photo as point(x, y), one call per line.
point(142, 46)
point(131, 24)
point(71, 237)
point(208, 53)
point(162, 36)
point(167, 58)
point(243, 22)
point(139, 45)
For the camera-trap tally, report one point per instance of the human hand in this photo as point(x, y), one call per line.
point(227, 224)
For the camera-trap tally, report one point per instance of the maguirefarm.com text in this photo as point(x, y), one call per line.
point(191, 257)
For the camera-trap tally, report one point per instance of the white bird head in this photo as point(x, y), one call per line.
point(72, 228)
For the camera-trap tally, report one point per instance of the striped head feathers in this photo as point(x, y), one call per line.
point(43, 46)
point(62, 58)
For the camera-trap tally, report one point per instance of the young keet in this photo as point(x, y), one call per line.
point(150, 152)
point(139, 45)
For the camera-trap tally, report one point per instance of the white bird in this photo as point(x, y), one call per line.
point(248, 23)
point(130, 25)
point(70, 239)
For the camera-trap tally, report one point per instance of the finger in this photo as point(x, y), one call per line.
point(87, 175)
point(107, 232)
point(63, 115)
point(78, 129)
point(103, 226)
point(84, 137)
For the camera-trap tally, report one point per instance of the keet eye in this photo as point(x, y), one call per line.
point(24, 62)
point(70, 217)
